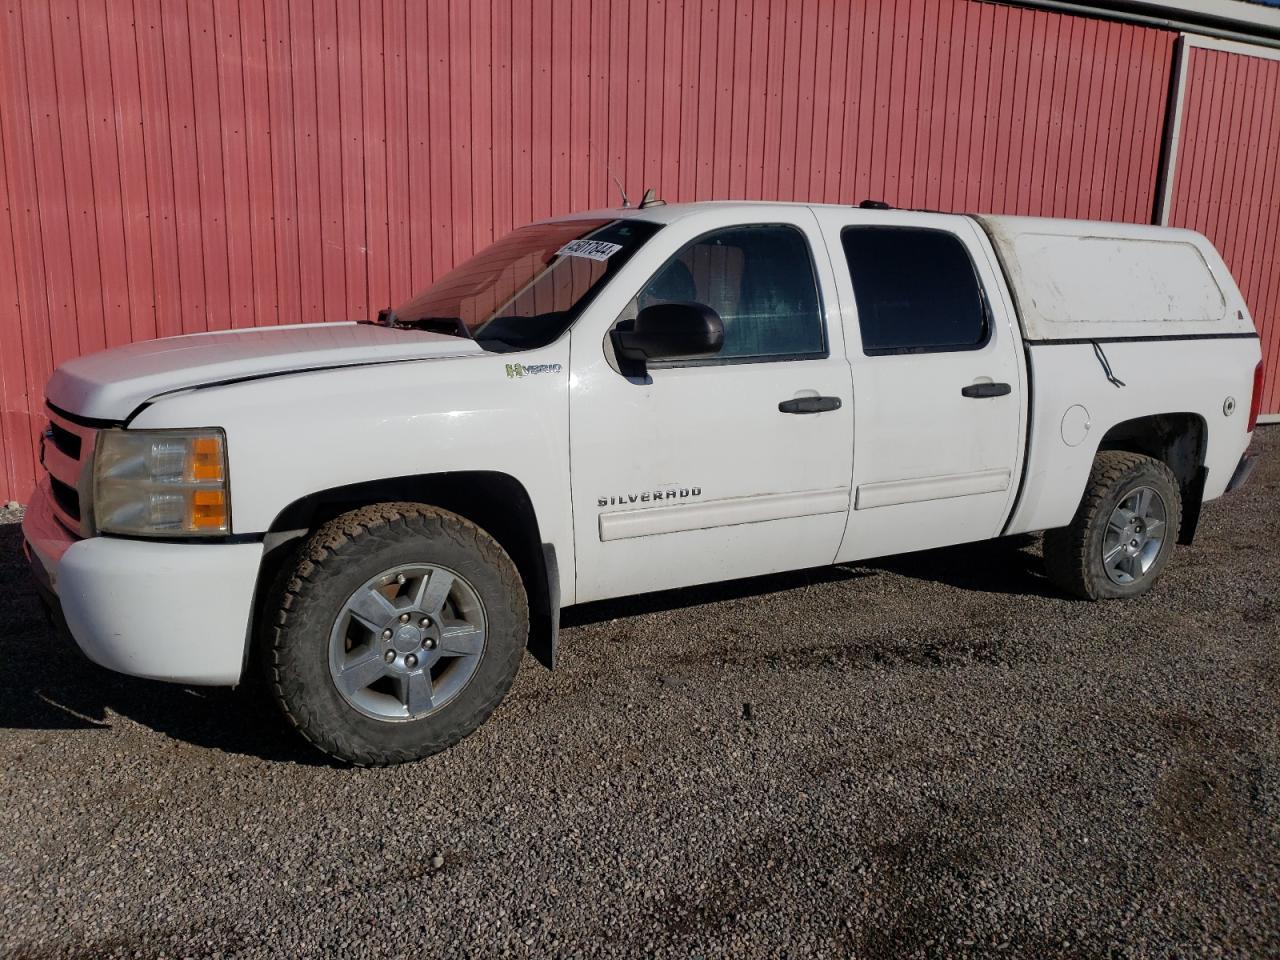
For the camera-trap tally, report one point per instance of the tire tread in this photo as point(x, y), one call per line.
point(1066, 550)
point(387, 523)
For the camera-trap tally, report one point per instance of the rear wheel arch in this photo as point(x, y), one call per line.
point(496, 502)
point(1178, 440)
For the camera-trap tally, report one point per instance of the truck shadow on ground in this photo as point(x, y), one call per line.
point(47, 684)
point(1007, 566)
point(602, 611)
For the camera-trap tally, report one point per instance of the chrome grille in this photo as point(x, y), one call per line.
point(66, 450)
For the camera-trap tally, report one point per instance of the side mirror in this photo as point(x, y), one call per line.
point(667, 331)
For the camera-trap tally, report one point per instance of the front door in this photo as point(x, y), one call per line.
point(939, 394)
point(707, 469)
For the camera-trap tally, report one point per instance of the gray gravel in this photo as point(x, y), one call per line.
point(930, 755)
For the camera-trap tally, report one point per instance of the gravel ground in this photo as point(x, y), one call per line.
point(941, 756)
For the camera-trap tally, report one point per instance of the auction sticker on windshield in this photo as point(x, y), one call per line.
point(591, 249)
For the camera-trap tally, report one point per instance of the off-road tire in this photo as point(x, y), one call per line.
point(331, 564)
point(1073, 554)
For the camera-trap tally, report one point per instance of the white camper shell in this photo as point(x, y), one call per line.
point(1077, 279)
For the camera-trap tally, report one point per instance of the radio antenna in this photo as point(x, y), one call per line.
point(614, 177)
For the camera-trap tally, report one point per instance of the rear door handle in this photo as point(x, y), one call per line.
point(809, 405)
point(981, 390)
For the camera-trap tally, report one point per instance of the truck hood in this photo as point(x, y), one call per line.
point(112, 384)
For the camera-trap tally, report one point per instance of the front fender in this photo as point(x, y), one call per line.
point(292, 435)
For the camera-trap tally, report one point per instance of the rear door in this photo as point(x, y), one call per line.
point(938, 380)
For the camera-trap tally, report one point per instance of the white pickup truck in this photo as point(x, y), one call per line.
point(383, 516)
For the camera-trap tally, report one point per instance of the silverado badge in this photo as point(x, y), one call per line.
point(649, 496)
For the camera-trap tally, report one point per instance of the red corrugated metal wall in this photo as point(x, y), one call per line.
point(174, 167)
point(1227, 180)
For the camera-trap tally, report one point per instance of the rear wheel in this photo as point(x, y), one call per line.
point(1123, 532)
point(398, 632)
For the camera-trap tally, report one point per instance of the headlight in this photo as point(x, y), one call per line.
point(161, 483)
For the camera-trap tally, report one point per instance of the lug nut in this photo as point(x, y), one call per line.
point(389, 656)
point(404, 618)
point(411, 661)
point(399, 578)
point(425, 622)
point(386, 634)
point(429, 643)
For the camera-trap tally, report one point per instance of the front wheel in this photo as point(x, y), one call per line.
point(397, 633)
point(1123, 532)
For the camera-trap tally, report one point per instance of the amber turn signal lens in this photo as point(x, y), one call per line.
point(206, 459)
point(208, 510)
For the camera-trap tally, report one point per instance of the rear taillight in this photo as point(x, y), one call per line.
point(1255, 405)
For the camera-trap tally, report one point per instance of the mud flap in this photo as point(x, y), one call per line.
point(544, 611)
point(1192, 500)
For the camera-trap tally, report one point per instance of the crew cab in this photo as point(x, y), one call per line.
point(382, 516)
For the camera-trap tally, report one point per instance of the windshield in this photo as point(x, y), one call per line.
point(526, 289)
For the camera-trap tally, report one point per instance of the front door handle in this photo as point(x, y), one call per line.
point(809, 405)
point(981, 390)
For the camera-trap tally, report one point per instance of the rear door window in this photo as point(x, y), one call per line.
point(917, 290)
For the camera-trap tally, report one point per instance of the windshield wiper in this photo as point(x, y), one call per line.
point(453, 326)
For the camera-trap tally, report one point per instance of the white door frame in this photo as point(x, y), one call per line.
point(1173, 136)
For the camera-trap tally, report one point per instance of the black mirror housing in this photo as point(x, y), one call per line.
point(667, 331)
